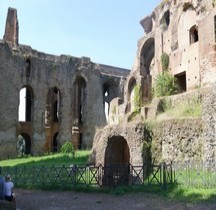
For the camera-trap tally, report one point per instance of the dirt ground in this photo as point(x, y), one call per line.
point(47, 200)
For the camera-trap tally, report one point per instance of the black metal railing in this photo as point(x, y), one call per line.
point(99, 176)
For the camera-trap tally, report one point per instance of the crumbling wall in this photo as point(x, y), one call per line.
point(178, 140)
point(40, 73)
point(209, 124)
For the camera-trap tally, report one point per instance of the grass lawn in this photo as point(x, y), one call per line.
point(59, 159)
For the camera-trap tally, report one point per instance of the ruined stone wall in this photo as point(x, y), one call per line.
point(178, 140)
point(48, 72)
point(185, 30)
point(169, 140)
point(209, 124)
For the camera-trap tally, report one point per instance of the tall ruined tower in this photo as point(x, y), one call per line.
point(12, 27)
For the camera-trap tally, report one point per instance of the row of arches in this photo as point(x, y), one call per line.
point(52, 114)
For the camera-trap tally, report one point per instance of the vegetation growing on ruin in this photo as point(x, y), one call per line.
point(164, 85)
point(137, 102)
point(164, 61)
point(163, 2)
point(188, 108)
point(68, 148)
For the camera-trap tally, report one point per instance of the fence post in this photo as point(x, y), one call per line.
point(164, 176)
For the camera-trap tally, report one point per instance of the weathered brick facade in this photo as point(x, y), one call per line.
point(64, 96)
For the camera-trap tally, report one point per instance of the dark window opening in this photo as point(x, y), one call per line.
point(194, 37)
point(181, 82)
point(165, 20)
point(56, 105)
point(55, 143)
point(28, 68)
point(52, 106)
point(55, 111)
point(80, 98)
point(80, 114)
point(80, 141)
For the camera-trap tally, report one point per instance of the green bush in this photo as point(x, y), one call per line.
point(165, 61)
point(137, 99)
point(164, 85)
point(68, 148)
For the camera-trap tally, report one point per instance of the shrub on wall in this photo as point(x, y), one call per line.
point(165, 61)
point(164, 85)
point(137, 99)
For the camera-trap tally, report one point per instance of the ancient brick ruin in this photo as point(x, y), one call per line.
point(64, 96)
point(185, 30)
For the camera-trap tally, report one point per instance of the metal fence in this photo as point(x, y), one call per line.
point(98, 176)
point(195, 175)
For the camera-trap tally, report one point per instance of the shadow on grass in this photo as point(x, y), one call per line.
point(80, 159)
point(173, 192)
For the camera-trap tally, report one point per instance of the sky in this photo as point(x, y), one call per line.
point(107, 31)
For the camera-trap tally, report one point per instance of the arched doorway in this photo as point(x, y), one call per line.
point(117, 162)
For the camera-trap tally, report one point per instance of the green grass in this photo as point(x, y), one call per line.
point(185, 109)
point(59, 159)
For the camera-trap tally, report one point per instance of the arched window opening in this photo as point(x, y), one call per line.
point(147, 57)
point(56, 104)
point(130, 95)
point(80, 97)
point(106, 94)
point(25, 105)
point(28, 67)
point(165, 20)
point(194, 37)
point(52, 106)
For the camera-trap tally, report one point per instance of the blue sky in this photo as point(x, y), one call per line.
point(107, 31)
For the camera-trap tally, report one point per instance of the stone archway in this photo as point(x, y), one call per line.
point(117, 152)
point(117, 162)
